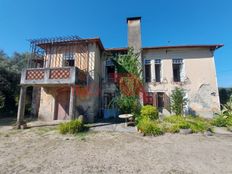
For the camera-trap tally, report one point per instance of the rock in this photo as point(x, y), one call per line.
point(23, 126)
point(208, 133)
point(185, 131)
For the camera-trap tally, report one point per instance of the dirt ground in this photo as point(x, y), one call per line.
point(44, 150)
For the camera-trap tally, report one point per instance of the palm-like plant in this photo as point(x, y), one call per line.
point(227, 108)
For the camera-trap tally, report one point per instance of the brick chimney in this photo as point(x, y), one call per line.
point(134, 33)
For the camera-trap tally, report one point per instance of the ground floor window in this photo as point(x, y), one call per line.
point(157, 99)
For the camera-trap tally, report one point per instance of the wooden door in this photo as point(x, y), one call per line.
point(62, 105)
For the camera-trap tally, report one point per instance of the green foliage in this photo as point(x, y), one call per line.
point(128, 66)
point(225, 94)
point(149, 127)
point(227, 108)
point(224, 118)
point(2, 101)
point(222, 121)
point(169, 128)
point(184, 125)
point(196, 124)
point(178, 101)
point(129, 63)
point(72, 127)
point(127, 104)
point(174, 119)
point(173, 124)
point(149, 112)
point(10, 69)
point(219, 121)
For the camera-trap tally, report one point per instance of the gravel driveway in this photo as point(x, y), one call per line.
point(43, 150)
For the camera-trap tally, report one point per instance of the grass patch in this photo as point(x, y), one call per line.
point(44, 130)
point(72, 127)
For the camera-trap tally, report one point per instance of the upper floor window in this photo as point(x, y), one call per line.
point(147, 70)
point(157, 70)
point(68, 59)
point(177, 65)
point(110, 71)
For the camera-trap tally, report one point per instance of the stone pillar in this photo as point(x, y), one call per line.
point(35, 100)
point(21, 106)
point(72, 102)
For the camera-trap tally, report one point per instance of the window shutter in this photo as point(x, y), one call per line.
point(167, 102)
point(182, 73)
point(155, 99)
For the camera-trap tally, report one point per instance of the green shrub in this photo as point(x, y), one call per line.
point(149, 127)
point(170, 128)
point(184, 125)
point(174, 119)
point(149, 112)
point(219, 121)
point(229, 121)
point(178, 101)
point(71, 127)
point(198, 124)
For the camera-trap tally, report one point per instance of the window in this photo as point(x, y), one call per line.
point(68, 59)
point(148, 98)
point(160, 99)
point(157, 70)
point(177, 69)
point(110, 71)
point(147, 70)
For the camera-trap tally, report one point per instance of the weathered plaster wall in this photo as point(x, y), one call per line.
point(199, 74)
point(47, 104)
point(87, 100)
point(87, 97)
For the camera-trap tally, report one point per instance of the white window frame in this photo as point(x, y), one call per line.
point(182, 70)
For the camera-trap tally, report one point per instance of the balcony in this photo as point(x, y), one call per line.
point(53, 76)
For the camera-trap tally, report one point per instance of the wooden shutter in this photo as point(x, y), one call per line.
point(167, 102)
point(155, 99)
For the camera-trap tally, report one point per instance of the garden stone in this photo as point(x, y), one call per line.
point(185, 131)
point(208, 133)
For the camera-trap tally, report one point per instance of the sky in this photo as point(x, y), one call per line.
point(164, 22)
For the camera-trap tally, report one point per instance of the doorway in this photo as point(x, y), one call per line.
point(62, 104)
point(160, 100)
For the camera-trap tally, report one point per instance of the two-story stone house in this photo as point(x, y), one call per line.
point(72, 76)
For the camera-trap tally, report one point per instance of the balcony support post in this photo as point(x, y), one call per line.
point(72, 102)
point(21, 107)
